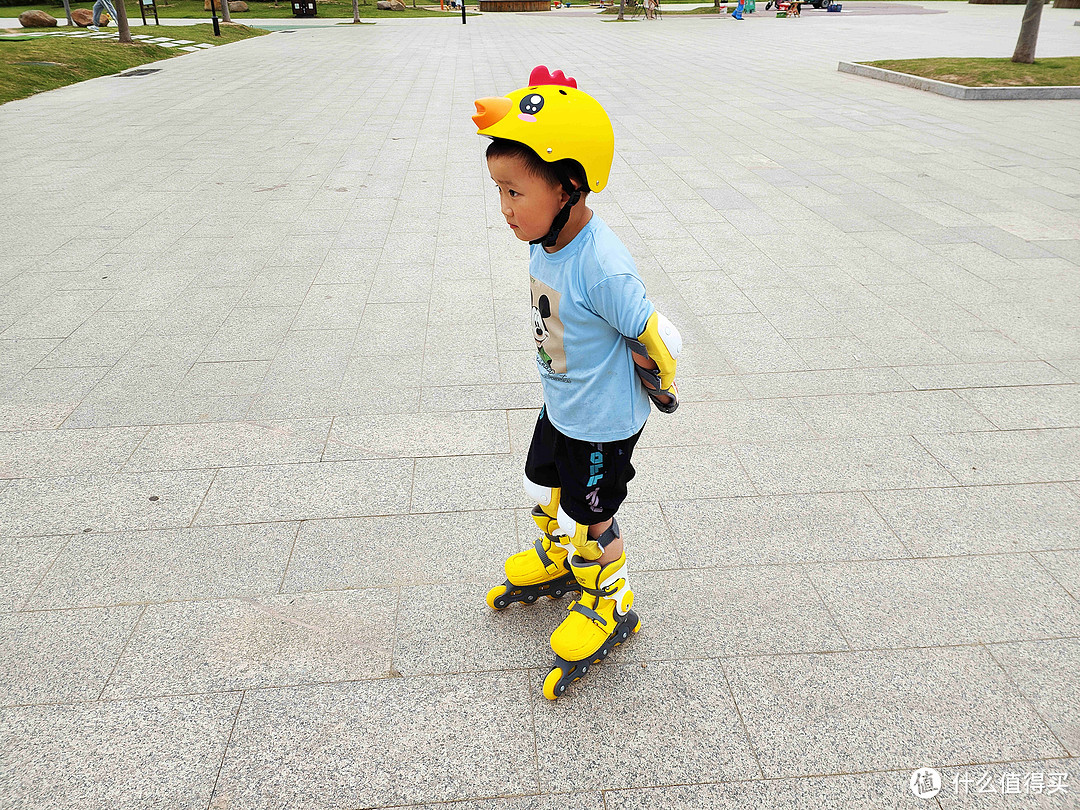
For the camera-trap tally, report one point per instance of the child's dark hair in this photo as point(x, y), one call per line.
point(552, 173)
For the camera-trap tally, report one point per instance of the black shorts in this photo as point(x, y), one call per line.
point(593, 475)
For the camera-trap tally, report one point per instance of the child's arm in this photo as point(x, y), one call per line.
point(648, 364)
point(655, 351)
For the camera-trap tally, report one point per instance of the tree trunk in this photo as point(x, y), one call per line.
point(122, 26)
point(1029, 32)
point(225, 17)
point(67, 10)
point(622, 8)
point(356, 11)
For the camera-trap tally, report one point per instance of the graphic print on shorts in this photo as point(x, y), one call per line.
point(547, 328)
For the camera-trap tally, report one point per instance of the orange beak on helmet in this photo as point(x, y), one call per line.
point(490, 111)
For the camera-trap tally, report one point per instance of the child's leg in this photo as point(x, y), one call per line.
point(542, 570)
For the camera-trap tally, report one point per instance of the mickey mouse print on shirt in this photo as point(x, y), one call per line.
point(547, 328)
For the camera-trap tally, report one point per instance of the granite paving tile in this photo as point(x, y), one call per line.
point(698, 423)
point(45, 398)
point(252, 642)
point(965, 600)
point(1008, 457)
point(1039, 784)
point(448, 548)
point(448, 628)
point(332, 306)
point(117, 755)
point(494, 482)
point(982, 375)
point(889, 414)
point(708, 471)
point(762, 610)
point(1048, 675)
point(1028, 407)
point(167, 565)
point(60, 657)
point(778, 529)
point(623, 713)
point(1064, 566)
point(504, 396)
point(824, 383)
point(418, 435)
point(23, 562)
point(836, 465)
point(548, 801)
point(882, 710)
point(230, 444)
point(223, 379)
point(51, 453)
point(981, 520)
point(870, 791)
point(305, 491)
point(101, 502)
point(371, 743)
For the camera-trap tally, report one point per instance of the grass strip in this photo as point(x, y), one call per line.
point(68, 60)
point(1003, 72)
point(193, 10)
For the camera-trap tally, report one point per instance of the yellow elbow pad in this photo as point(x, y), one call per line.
point(663, 343)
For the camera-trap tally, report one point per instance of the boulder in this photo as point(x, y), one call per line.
point(383, 5)
point(234, 5)
point(82, 17)
point(397, 5)
point(36, 19)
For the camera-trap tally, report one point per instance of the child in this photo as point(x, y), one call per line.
point(596, 334)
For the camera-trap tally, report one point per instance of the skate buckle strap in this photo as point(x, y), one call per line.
point(538, 544)
point(608, 591)
point(589, 613)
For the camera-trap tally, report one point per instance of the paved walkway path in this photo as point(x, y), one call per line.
point(267, 386)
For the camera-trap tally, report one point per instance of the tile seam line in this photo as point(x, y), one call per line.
point(1030, 704)
point(726, 443)
point(361, 516)
point(225, 749)
point(244, 597)
point(635, 662)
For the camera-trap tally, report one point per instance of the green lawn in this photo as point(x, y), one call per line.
point(74, 60)
point(193, 10)
point(990, 72)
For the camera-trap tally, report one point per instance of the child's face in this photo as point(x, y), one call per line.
point(528, 202)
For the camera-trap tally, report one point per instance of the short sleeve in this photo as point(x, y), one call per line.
point(620, 300)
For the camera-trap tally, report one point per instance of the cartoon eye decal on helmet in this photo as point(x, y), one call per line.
point(531, 104)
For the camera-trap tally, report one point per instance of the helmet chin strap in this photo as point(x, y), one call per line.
point(559, 222)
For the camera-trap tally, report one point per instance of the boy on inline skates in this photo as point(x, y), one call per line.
point(602, 352)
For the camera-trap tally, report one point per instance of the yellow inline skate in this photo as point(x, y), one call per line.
point(598, 622)
point(540, 571)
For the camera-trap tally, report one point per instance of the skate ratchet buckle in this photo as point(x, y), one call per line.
point(502, 596)
point(566, 672)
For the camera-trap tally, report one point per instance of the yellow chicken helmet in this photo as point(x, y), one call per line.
point(554, 119)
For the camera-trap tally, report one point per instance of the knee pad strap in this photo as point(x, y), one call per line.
point(588, 548)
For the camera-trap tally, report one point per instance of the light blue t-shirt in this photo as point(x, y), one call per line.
point(585, 298)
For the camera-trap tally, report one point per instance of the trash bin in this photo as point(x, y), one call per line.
point(303, 8)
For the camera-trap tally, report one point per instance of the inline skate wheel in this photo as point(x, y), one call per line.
point(553, 685)
point(496, 597)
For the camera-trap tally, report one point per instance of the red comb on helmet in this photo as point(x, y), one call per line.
point(541, 75)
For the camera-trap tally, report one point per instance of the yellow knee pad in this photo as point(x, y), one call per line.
point(588, 548)
point(546, 511)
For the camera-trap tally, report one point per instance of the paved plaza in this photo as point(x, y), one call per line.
point(267, 384)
